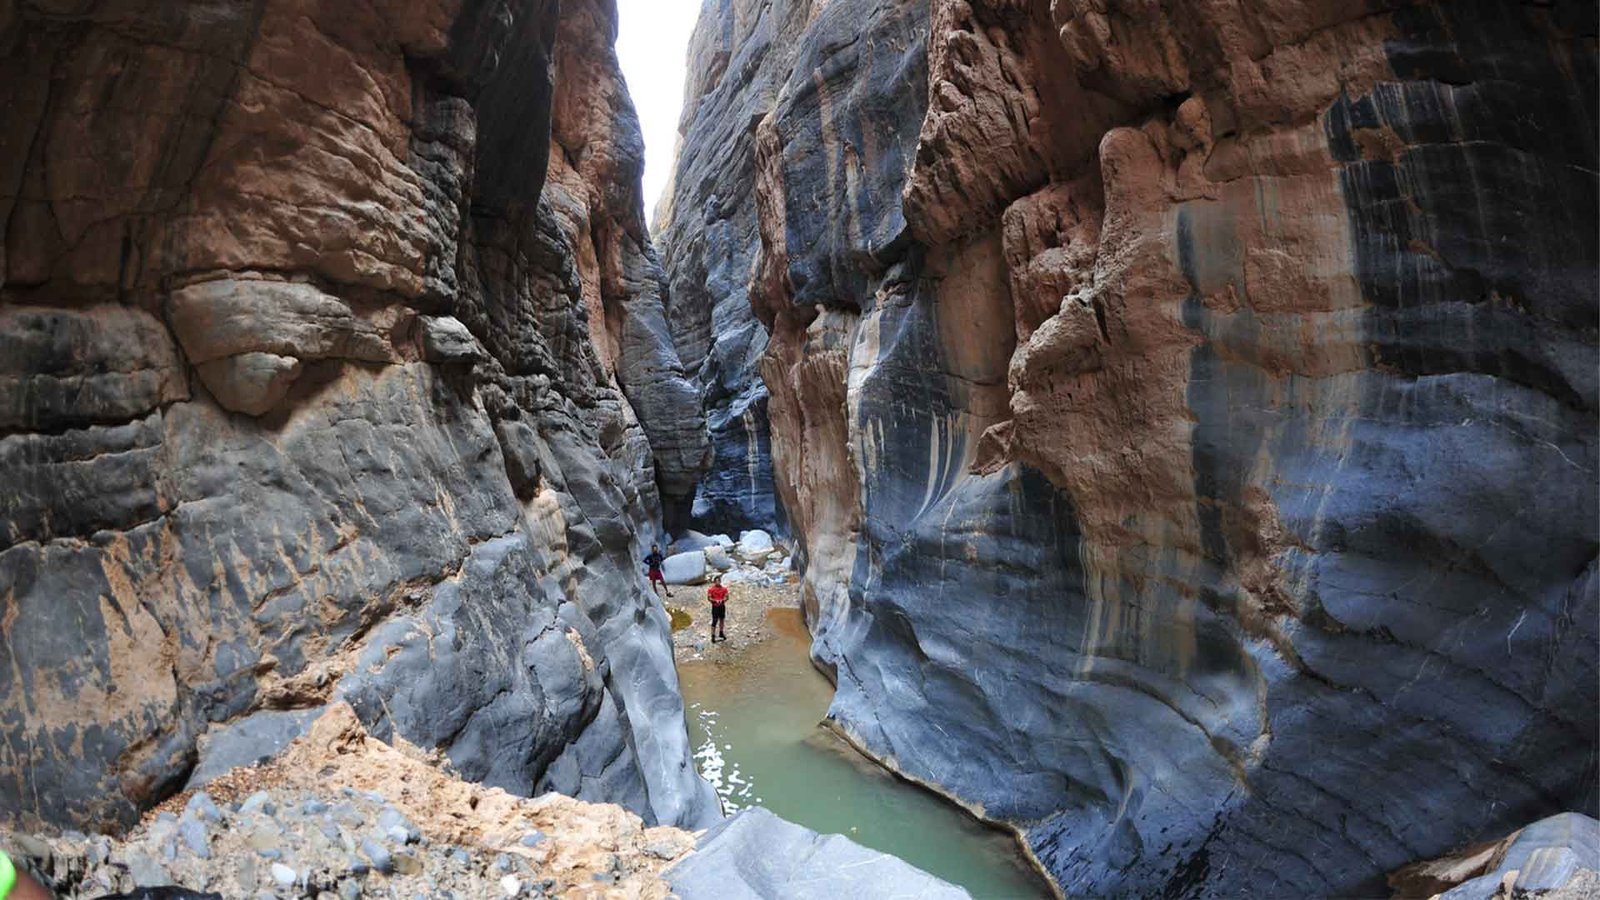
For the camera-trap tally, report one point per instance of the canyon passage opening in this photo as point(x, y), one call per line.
point(754, 721)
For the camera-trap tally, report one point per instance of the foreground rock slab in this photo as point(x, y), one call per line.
point(1557, 857)
point(755, 854)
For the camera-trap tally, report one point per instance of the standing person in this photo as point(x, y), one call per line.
point(654, 561)
point(718, 595)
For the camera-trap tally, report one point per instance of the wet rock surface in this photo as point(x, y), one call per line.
point(333, 366)
point(1187, 412)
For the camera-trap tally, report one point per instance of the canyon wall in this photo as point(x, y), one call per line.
point(740, 55)
point(334, 366)
point(1188, 410)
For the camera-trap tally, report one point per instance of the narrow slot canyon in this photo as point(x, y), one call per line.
point(1145, 448)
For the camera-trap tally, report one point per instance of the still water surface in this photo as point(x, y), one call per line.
point(753, 722)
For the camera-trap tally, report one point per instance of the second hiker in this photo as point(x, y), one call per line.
point(718, 595)
point(653, 563)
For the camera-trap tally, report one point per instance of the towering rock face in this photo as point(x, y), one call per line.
point(1189, 412)
point(740, 56)
point(333, 366)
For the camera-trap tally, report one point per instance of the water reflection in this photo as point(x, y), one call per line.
point(753, 720)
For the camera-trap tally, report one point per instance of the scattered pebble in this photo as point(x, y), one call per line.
point(283, 875)
point(259, 801)
point(202, 807)
point(381, 860)
point(193, 832)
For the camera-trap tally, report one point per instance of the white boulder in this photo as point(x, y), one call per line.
point(694, 540)
point(754, 545)
point(717, 557)
point(685, 568)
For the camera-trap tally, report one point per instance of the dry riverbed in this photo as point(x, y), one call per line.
point(747, 617)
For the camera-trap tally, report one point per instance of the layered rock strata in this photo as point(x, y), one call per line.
point(333, 366)
point(1188, 412)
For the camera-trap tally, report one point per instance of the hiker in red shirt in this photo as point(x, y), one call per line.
point(718, 595)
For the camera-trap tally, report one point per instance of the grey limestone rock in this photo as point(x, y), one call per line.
point(1181, 498)
point(446, 340)
point(685, 568)
point(754, 854)
point(248, 740)
point(1545, 856)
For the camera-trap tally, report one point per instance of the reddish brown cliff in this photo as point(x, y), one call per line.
point(333, 365)
point(1189, 414)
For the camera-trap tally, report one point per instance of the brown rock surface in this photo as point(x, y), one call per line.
point(313, 387)
point(1185, 410)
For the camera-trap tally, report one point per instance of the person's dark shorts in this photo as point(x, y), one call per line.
point(655, 575)
point(719, 612)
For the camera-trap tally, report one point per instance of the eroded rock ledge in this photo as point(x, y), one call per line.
point(333, 366)
point(1187, 411)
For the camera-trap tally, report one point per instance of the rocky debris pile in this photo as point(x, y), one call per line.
point(748, 621)
point(1556, 857)
point(754, 559)
point(341, 815)
point(344, 815)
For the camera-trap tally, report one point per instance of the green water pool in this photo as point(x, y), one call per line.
point(753, 721)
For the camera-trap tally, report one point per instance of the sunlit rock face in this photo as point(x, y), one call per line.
point(333, 365)
point(1188, 411)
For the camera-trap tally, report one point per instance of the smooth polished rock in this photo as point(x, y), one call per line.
point(754, 854)
point(685, 568)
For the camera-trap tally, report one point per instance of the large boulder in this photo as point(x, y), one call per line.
point(694, 540)
point(757, 855)
point(717, 557)
point(685, 568)
point(755, 545)
point(1546, 856)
